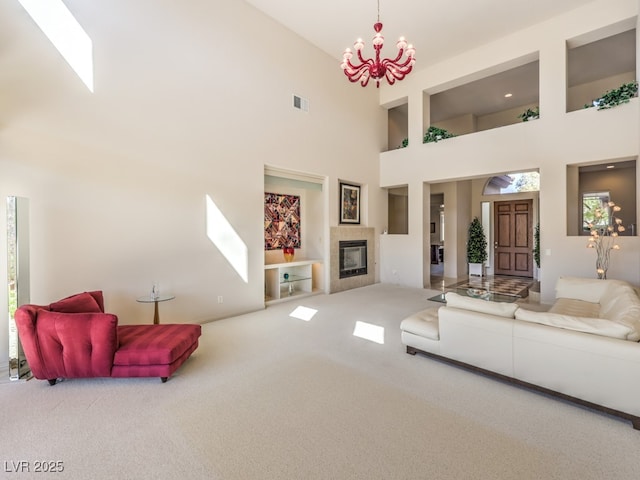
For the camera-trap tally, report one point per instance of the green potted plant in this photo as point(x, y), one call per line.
point(476, 248)
point(536, 247)
point(615, 97)
point(434, 134)
point(530, 114)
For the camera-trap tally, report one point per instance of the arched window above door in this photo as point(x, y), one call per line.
point(512, 183)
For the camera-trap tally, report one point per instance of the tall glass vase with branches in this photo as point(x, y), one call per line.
point(604, 229)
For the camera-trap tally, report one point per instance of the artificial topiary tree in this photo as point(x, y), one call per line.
point(476, 243)
point(536, 245)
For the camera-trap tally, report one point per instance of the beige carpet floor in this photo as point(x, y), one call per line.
point(271, 396)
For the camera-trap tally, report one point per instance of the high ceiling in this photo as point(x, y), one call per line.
point(437, 29)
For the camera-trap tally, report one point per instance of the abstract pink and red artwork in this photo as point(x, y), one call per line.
point(281, 221)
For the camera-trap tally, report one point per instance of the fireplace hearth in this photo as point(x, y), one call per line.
point(353, 258)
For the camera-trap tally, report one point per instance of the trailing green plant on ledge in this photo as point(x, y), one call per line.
point(405, 143)
point(530, 114)
point(615, 97)
point(434, 134)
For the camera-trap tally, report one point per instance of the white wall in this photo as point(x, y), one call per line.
point(191, 99)
point(549, 144)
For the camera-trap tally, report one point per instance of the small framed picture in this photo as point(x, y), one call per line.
point(349, 203)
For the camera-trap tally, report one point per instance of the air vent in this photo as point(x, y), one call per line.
point(300, 103)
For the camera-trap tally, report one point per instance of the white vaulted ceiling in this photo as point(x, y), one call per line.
point(438, 29)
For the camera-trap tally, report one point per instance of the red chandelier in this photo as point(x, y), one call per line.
point(377, 69)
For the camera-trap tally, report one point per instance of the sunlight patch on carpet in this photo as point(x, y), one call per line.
point(368, 331)
point(303, 313)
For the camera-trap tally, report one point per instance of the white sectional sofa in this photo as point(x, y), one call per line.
point(584, 349)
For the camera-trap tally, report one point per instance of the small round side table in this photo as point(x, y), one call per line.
point(155, 301)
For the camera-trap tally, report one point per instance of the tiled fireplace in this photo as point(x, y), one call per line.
point(352, 258)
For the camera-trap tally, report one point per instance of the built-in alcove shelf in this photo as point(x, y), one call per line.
point(289, 280)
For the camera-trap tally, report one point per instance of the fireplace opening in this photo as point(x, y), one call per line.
point(353, 258)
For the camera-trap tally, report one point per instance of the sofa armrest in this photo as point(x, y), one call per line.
point(75, 345)
point(25, 317)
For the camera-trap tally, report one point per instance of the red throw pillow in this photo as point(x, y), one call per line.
point(80, 303)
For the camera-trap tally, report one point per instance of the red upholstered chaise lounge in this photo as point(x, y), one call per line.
point(74, 338)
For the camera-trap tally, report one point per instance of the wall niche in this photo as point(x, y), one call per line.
point(602, 182)
point(596, 66)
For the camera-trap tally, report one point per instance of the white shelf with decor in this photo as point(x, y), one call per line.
point(288, 280)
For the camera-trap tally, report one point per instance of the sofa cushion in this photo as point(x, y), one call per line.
point(154, 344)
point(79, 303)
point(609, 300)
point(500, 309)
point(598, 326)
point(575, 308)
point(586, 289)
point(625, 311)
point(423, 324)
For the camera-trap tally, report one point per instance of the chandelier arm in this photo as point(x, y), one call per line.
point(354, 79)
point(399, 73)
point(395, 75)
point(359, 74)
point(363, 65)
point(390, 77)
point(354, 72)
point(398, 57)
point(406, 65)
point(367, 61)
point(407, 62)
point(354, 76)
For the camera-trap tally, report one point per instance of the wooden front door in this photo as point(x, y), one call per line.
point(513, 238)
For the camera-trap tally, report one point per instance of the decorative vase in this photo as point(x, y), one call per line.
point(288, 253)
